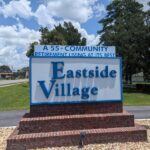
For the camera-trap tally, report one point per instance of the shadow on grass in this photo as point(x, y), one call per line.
point(134, 90)
point(130, 90)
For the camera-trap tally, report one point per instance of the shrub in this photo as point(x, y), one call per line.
point(143, 87)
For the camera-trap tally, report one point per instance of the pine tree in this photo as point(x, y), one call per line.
point(124, 28)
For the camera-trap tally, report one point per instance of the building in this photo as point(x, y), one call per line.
point(138, 77)
point(6, 75)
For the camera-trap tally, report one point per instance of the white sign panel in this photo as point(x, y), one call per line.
point(74, 80)
point(74, 51)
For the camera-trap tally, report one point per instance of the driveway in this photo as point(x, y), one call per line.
point(11, 82)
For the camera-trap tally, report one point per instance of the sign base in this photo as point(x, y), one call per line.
point(78, 108)
point(62, 125)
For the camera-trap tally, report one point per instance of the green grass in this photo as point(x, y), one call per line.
point(14, 97)
point(140, 82)
point(136, 99)
point(17, 97)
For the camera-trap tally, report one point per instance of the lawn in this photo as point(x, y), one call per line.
point(14, 97)
point(136, 99)
point(17, 97)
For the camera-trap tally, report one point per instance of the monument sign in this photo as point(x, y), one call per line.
point(71, 80)
point(75, 98)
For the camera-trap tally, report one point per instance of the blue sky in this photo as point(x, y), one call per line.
point(21, 19)
point(90, 25)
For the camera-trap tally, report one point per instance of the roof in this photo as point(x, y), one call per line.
point(5, 73)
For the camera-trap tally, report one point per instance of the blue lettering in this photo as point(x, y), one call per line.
point(85, 94)
point(104, 73)
point(44, 89)
point(57, 69)
point(113, 73)
point(94, 91)
point(70, 74)
point(45, 48)
point(75, 92)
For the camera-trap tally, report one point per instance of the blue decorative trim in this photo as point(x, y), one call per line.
point(121, 81)
point(74, 57)
point(76, 102)
point(30, 78)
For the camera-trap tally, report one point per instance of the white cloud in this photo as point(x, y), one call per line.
point(14, 41)
point(2, 3)
point(43, 16)
point(99, 10)
point(91, 38)
point(144, 2)
point(79, 10)
point(10, 56)
point(16, 8)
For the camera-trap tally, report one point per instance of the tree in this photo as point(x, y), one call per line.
point(30, 51)
point(5, 69)
point(65, 34)
point(21, 73)
point(51, 37)
point(124, 28)
point(146, 68)
point(70, 34)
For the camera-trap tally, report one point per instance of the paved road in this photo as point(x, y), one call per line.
point(11, 118)
point(140, 112)
point(10, 82)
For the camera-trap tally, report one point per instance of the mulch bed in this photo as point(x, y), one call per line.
point(5, 132)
